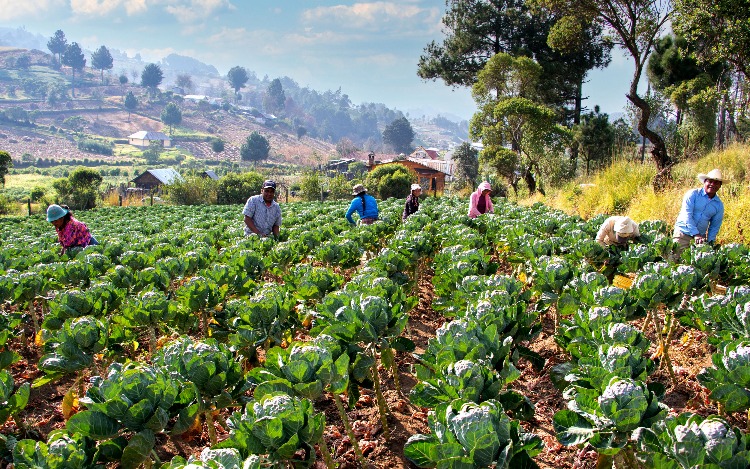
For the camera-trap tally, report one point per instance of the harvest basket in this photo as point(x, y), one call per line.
point(717, 289)
point(624, 281)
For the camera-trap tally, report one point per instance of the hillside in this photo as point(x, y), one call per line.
point(36, 100)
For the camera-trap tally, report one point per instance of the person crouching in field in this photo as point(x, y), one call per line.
point(480, 202)
point(617, 231)
point(412, 201)
point(262, 213)
point(70, 232)
point(364, 204)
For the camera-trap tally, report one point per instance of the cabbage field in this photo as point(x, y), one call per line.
point(512, 341)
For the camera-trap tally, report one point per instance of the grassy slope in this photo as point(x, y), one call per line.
point(625, 189)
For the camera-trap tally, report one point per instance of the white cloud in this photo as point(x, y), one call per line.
point(372, 16)
point(150, 55)
point(197, 10)
point(105, 7)
point(10, 10)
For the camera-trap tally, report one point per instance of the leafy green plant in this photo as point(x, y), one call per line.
point(12, 399)
point(212, 369)
point(689, 441)
point(278, 426)
point(729, 378)
point(125, 411)
point(312, 283)
point(61, 451)
point(152, 311)
point(605, 418)
point(72, 348)
point(469, 435)
point(228, 458)
point(199, 295)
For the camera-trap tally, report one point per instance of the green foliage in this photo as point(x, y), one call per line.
point(80, 190)
point(57, 44)
point(255, 148)
point(237, 77)
point(399, 135)
point(151, 77)
point(60, 452)
point(690, 440)
point(311, 186)
point(235, 188)
point(466, 158)
point(171, 116)
point(276, 425)
point(274, 100)
point(390, 180)
point(469, 435)
point(95, 146)
point(102, 60)
point(217, 145)
point(194, 190)
point(130, 103)
point(729, 378)
point(6, 162)
point(595, 138)
point(73, 347)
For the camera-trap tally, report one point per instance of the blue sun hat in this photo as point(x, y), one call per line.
point(55, 212)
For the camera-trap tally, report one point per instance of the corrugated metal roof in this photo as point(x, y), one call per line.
point(149, 135)
point(166, 175)
point(211, 174)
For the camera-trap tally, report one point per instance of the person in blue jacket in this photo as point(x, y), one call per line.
point(364, 204)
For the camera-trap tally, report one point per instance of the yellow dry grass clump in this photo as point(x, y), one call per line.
point(625, 189)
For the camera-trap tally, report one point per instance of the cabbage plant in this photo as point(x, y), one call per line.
point(729, 378)
point(277, 426)
point(61, 451)
point(469, 435)
point(690, 441)
point(228, 458)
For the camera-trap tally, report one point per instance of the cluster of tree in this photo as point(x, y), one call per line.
point(526, 61)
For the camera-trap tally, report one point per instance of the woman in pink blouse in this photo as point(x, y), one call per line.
point(70, 232)
point(480, 202)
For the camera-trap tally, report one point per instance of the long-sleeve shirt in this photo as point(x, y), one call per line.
point(74, 234)
point(412, 205)
point(700, 214)
point(370, 209)
point(607, 236)
point(474, 201)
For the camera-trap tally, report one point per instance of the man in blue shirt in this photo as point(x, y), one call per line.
point(364, 204)
point(262, 213)
point(702, 212)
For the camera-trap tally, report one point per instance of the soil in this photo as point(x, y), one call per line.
point(689, 351)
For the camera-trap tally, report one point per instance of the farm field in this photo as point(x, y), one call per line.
point(504, 341)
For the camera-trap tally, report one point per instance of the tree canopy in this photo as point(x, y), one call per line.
point(466, 159)
point(237, 77)
point(102, 60)
point(171, 115)
point(5, 164)
point(57, 44)
point(399, 135)
point(130, 103)
point(79, 190)
point(255, 148)
point(151, 77)
point(74, 58)
point(275, 99)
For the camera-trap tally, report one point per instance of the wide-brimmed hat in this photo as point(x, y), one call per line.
point(625, 227)
point(358, 189)
point(714, 174)
point(485, 186)
point(55, 212)
point(415, 187)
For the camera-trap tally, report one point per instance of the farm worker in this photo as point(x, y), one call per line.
point(480, 202)
point(617, 231)
point(70, 232)
point(701, 214)
point(364, 204)
point(262, 213)
point(412, 201)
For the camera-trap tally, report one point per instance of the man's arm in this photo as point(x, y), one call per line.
point(602, 233)
point(251, 225)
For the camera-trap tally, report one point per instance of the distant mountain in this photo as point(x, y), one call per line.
point(182, 64)
point(19, 37)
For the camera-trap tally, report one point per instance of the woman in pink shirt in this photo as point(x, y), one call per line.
point(70, 232)
point(480, 202)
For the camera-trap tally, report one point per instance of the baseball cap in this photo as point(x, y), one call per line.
point(269, 183)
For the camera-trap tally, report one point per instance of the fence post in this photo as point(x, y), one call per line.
point(28, 204)
point(119, 200)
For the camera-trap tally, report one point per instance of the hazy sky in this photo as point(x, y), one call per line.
point(370, 50)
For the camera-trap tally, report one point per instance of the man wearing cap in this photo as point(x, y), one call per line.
point(617, 231)
point(364, 204)
point(412, 201)
point(262, 213)
point(701, 214)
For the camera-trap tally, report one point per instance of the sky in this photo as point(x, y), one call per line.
point(368, 49)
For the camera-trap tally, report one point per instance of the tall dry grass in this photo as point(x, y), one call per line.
point(625, 189)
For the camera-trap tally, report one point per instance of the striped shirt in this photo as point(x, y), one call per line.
point(264, 217)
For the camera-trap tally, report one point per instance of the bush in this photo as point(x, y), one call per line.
point(195, 190)
point(237, 188)
point(339, 187)
point(80, 190)
point(311, 186)
point(7, 207)
point(390, 180)
point(95, 146)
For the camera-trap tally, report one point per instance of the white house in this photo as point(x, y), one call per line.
point(144, 138)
